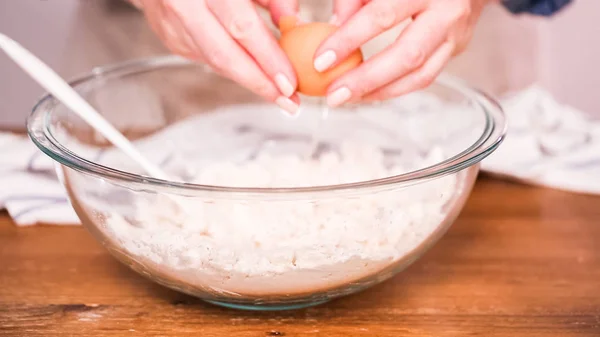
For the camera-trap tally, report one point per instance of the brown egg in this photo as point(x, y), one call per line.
point(300, 42)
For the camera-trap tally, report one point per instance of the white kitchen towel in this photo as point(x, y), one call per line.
point(547, 144)
point(29, 189)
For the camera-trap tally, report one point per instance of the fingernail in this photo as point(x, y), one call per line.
point(284, 85)
point(325, 60)
point(339, 97)
point(287, 105)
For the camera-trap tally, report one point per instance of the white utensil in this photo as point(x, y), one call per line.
point(58, 87)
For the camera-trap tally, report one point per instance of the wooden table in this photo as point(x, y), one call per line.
point(520, 261)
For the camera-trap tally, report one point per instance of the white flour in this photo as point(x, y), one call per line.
point(259, 240)
point(279, 247)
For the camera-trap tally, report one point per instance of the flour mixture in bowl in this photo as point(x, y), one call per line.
point(266, 212)
point(264, 248)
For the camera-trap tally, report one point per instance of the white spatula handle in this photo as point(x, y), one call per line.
point(58, 87)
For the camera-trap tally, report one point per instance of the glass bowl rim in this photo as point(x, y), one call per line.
point(38, 129)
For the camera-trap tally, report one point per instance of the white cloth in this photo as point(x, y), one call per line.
point(547, 144)
point(29, 189)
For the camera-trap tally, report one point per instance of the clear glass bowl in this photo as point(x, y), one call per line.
point(265, 211)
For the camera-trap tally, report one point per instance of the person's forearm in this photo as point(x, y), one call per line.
point(535, 7)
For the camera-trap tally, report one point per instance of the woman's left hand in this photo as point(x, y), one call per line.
point(439, 30)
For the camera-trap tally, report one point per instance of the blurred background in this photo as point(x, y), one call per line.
point(507, 52)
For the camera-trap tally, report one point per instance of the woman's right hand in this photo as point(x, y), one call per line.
point(230, 36)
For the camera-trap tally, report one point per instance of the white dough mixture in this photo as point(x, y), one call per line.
point(263, 246)
point(255, 246)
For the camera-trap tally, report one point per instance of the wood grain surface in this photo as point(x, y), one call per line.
point(519, 261)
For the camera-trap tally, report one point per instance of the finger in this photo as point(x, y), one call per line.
point(244, 25)
point(137, 4)
point(418, 79)
point(281, 8)
point(178, 39)
point(410, 51)
point(371, 20)
point(263, 3)
point(169, 28)
point(225, 55)
point(295, 98)
point(344, 9)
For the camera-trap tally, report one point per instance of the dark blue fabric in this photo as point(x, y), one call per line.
point(535, 7)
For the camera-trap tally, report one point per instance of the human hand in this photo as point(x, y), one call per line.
point(439, 30)
point(230, 36)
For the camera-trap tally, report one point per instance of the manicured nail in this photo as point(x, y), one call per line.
point(288, 105)
point(325, 60)
point(284, 85)
point(339, 97)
